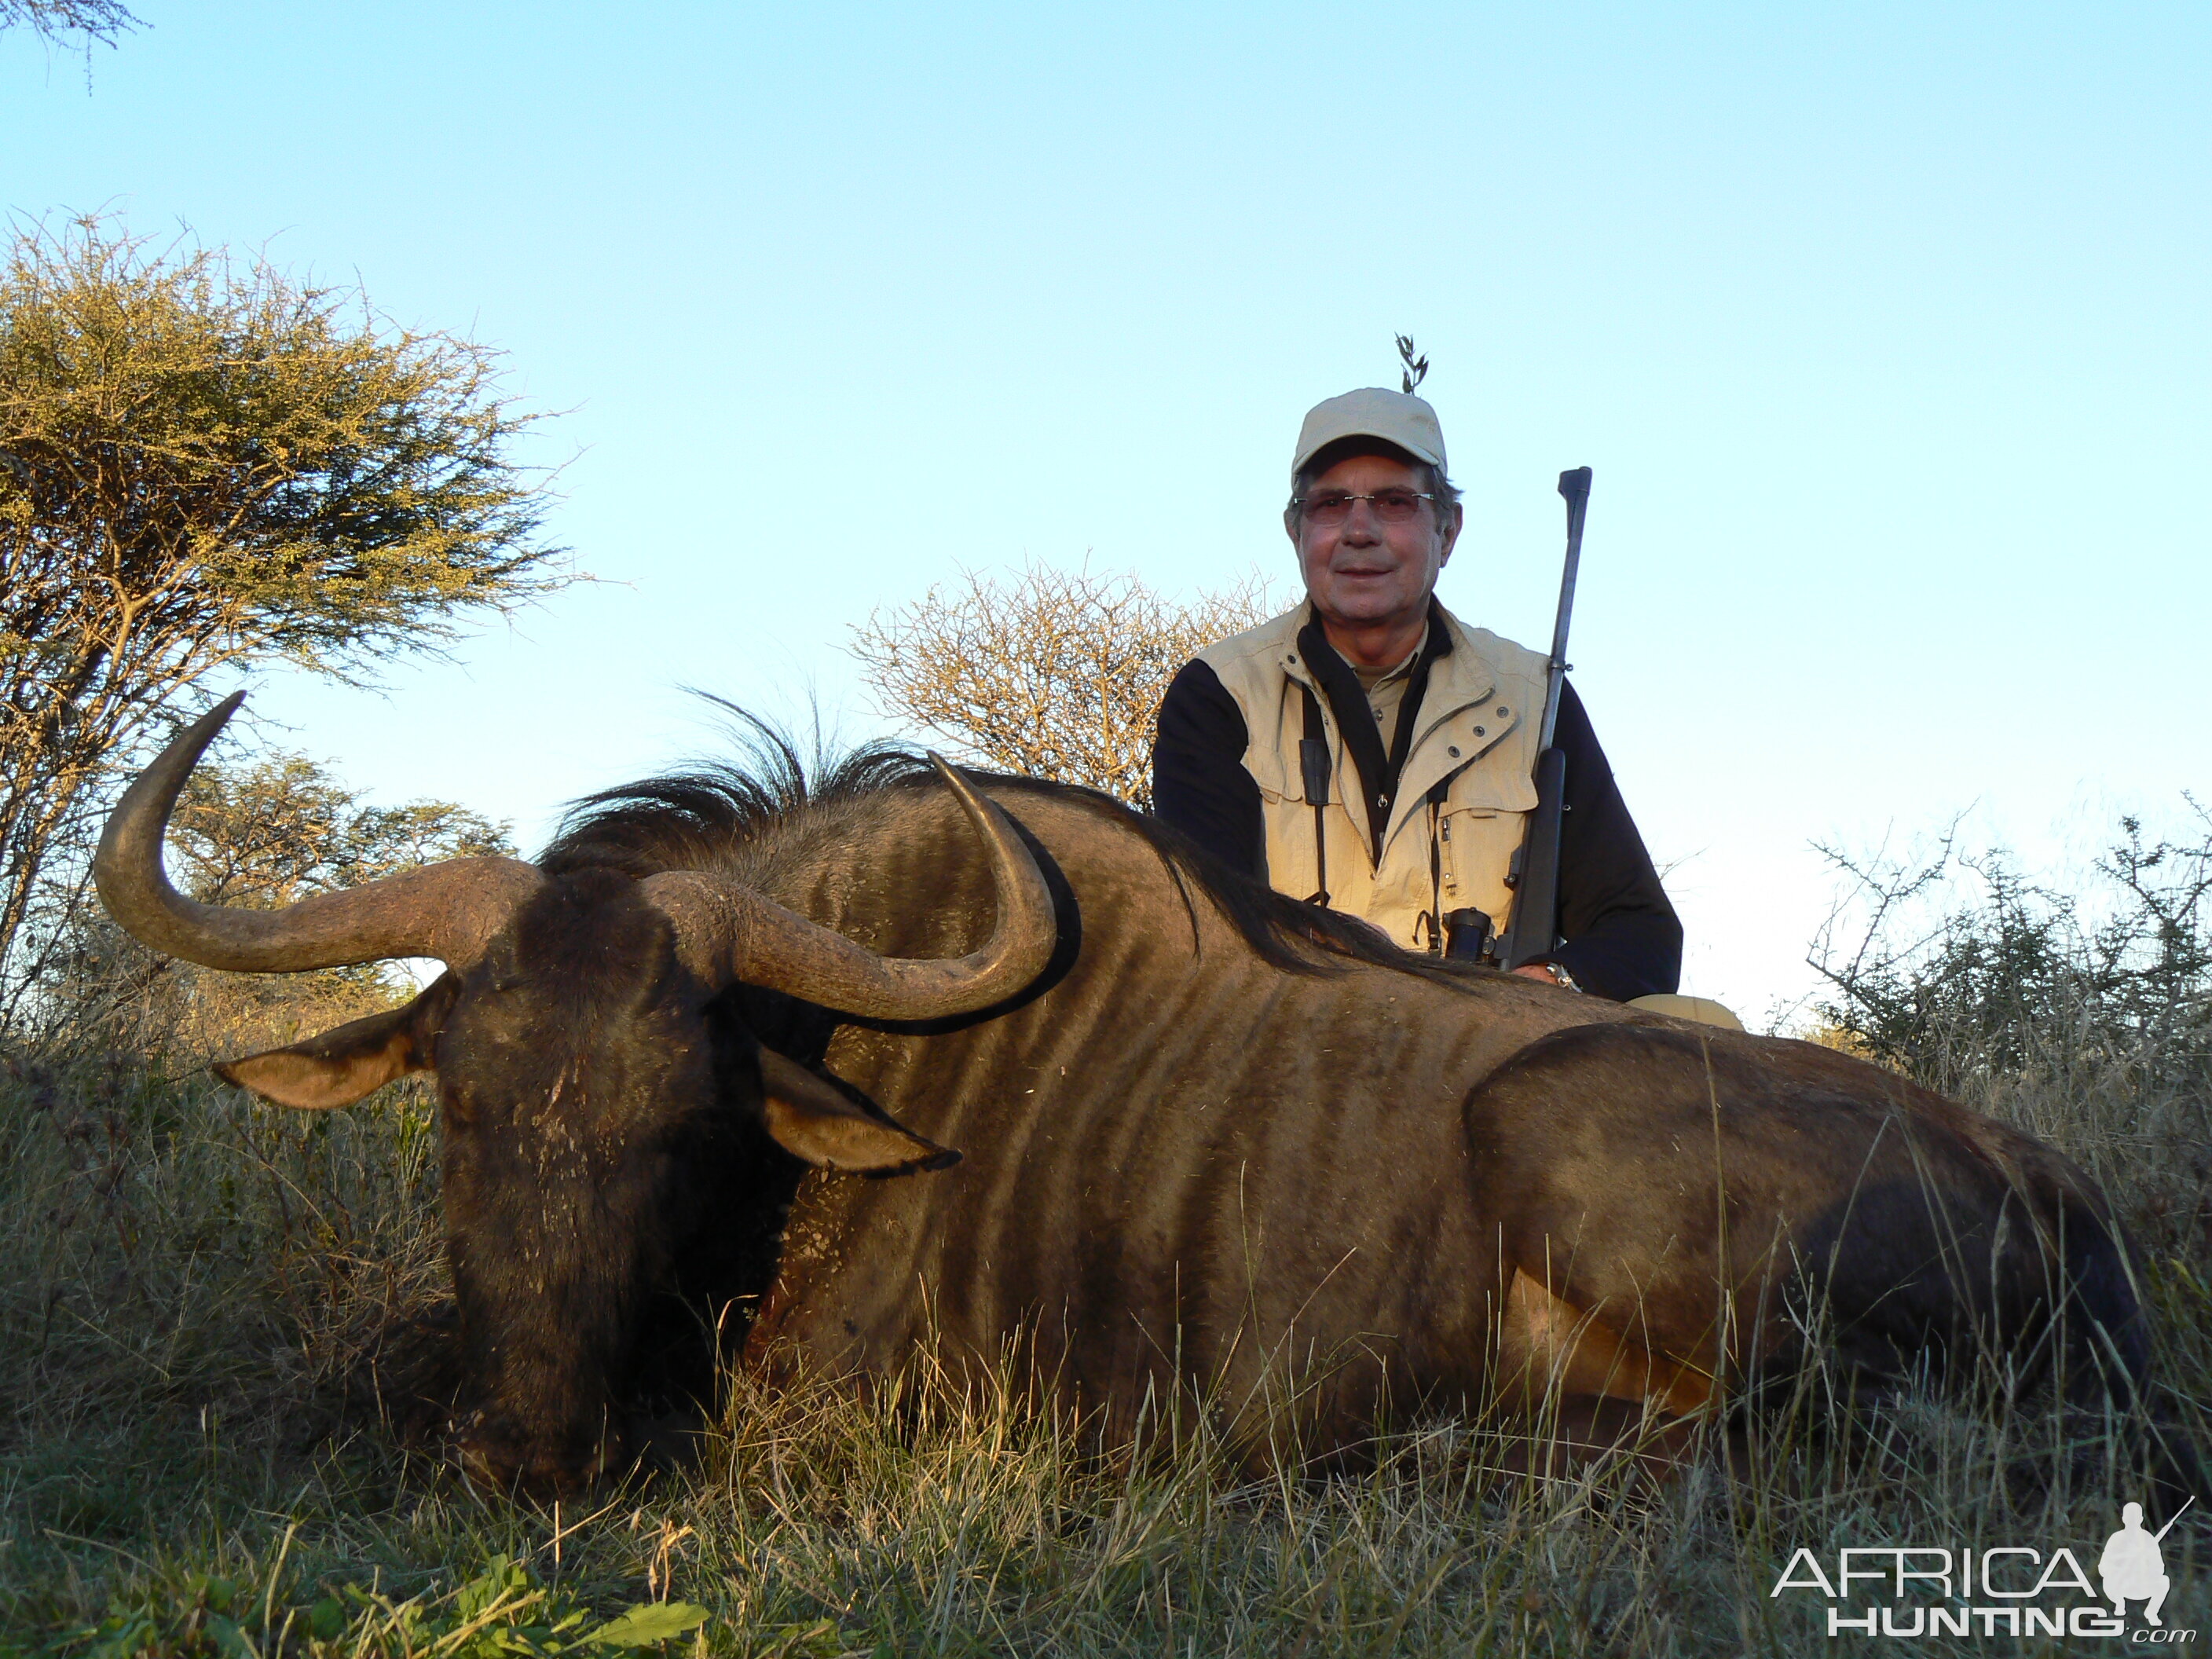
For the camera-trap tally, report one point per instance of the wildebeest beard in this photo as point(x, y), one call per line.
point(1210, 1136)
point(581, 1110)
point(612, 1198)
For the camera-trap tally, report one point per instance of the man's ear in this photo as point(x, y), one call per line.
point(349, 1061)
point(807, 1115)
point(1451, 524)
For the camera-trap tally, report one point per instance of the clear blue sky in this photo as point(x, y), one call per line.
point(1884, 327)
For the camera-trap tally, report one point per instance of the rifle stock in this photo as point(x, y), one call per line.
point(1534, 927)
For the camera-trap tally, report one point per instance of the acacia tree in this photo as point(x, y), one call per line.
point(203, 466)
point(1054, 673)
point(268, 830)
point(58, 20)
point(79, 23)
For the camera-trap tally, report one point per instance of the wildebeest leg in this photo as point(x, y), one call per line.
point(1759, 1205)
point(1547, 1346)
point(1585, 1394)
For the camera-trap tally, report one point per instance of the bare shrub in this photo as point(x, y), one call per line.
point(2085, 1018)
point(1053, 673)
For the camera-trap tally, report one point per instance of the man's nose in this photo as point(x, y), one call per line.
point(1360, 524)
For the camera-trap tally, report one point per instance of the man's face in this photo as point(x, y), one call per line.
point(1365, 573)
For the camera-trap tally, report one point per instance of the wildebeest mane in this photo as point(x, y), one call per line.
point(704, 815)
point(698, 816)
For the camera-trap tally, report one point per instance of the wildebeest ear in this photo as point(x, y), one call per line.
point(806, 1115)
point(349, 1060)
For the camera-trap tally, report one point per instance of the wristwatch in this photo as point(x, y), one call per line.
point(1561, 976)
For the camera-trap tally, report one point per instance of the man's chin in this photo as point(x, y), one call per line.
point(1362, 610)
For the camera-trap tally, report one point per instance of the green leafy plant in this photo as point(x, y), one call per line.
point(503, 1612)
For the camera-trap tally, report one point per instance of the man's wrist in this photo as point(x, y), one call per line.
point(1561, 976)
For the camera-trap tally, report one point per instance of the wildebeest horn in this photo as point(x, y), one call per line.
point(447, 910)
point(727, 931)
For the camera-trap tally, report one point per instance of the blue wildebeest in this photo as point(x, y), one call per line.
point(1206, 1137)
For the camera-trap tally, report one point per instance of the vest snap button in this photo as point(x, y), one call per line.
point(1502, 708)
point(1478, 732)
point(1454, 751)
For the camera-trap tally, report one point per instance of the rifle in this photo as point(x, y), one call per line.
point(1535, 877)
point(2168, 1526)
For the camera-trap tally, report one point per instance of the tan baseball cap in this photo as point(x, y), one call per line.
point(1396, 417)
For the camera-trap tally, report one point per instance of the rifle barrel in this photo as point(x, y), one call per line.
point(2171, 1519)
point(1574, 485)
point(1534, 928)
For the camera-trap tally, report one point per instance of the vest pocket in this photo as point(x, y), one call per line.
point(1475, 847)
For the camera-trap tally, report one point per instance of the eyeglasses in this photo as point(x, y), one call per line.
point(1332, 508)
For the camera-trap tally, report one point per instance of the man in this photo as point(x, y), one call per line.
point(1430, 729)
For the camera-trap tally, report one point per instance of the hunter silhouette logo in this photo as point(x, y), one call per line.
point(2132, 1567)
point(1923, 1590)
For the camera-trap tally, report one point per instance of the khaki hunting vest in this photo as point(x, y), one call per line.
point(1477, 734)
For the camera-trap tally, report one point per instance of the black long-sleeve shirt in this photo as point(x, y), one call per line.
point(1621, 936)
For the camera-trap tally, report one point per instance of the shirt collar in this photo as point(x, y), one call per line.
point(1436, 642)
point(1404, 671)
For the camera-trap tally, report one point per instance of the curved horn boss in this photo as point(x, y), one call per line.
point(728, 931)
